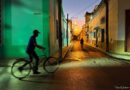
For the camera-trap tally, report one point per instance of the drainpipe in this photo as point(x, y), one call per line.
point(67, 29)
point(60, 29)
point(107, 23)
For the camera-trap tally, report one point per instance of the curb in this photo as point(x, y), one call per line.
point(113, 55)
point(69, 49)
point(65, 51)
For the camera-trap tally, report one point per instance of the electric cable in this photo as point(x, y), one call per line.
point(83, 10)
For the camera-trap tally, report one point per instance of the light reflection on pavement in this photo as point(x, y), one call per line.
point(81, 70)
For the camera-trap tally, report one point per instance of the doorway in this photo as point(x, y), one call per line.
point(127, 33)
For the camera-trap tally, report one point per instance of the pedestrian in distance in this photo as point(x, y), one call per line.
point(82, 43)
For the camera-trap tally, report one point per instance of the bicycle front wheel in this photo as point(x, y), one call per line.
point(21, 69)
point(50, 65)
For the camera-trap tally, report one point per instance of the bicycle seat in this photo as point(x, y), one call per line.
point(20, 58)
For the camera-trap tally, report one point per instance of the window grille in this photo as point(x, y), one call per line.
point(102, 38)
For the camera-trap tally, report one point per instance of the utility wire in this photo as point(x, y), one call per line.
point(83, 10)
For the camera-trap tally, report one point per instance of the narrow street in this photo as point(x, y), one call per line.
point(58, 27)
point(86, 69)
point(87, 52)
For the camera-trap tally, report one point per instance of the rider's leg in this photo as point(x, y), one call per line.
point(26, 63)
point(35, 70)
point(30, 58)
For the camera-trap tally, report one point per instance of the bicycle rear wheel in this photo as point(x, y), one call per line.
point(21, 69)
point(50, 65)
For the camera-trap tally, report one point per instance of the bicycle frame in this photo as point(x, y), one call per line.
point(46, 62)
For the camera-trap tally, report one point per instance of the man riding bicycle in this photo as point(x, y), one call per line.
point(31, 50)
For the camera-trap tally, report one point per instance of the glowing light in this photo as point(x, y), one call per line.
point(92, 62)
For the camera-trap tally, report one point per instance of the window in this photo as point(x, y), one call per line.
point(57, 29)
point(102, 37)
point(94, 34)
point(103, 20)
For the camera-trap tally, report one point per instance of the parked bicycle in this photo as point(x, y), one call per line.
point(49, 64)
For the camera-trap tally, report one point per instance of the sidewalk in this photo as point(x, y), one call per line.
point(119, 56)
point(65, 51)
point(115, 55)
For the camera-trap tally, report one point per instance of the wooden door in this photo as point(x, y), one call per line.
point(127, 33)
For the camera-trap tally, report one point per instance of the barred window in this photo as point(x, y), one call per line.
point(57, 29)
point(103, 20)
point(102, 32)
point(94, 34)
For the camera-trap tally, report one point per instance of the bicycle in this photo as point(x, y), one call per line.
point(49, 64)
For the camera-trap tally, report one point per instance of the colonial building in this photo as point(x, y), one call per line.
point(96, 26)
point(108, 26)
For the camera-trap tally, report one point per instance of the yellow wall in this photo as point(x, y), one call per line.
point(53, 34)
point(113, 24)
point(117, 25)
point(123, 6)
point(96, 22)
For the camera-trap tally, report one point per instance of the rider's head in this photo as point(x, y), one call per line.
point(35, 33)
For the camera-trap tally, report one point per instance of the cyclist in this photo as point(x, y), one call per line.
point(31, 51)
point(82, 43)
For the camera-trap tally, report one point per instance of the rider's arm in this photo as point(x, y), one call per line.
point(38, 46)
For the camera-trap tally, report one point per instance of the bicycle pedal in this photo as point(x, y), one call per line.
point(36, 72)
point(20, 69)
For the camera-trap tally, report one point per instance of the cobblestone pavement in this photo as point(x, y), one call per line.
point(82, 69)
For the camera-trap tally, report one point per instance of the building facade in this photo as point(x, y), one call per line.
point(119, 14)
point(96, 26)
point(20, 18)
point(118, 26)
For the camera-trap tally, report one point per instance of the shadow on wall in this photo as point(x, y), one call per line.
point(8, 26)
point(17, 3)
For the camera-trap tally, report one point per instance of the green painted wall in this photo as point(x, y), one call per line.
point(64, 30)
point(21, 17)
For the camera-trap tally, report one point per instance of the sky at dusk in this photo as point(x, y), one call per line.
point(78, 8)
